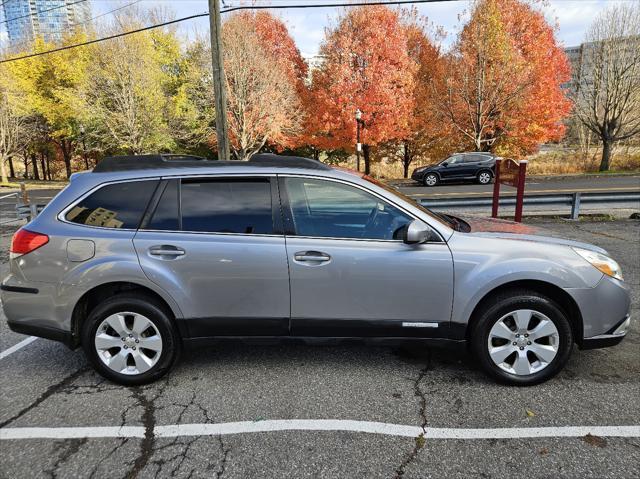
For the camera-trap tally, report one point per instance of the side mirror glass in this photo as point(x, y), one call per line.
point(417, 232)
point(445, 163)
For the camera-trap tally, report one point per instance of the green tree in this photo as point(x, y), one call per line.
point(131, 79)
point(53, 86)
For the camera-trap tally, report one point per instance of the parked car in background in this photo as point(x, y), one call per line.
point(475, 167)
point(149, 254)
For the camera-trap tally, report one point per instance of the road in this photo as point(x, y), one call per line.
point(173, 428)
point(595, 184)
point(534, 185)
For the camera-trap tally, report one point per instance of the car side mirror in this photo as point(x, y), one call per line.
point(445, 163)
point(417, 232)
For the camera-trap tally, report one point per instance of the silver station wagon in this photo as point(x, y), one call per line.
point(147, 255)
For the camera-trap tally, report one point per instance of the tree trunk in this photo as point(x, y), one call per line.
point(12, 172)
point(406, 160)
point(3, 171)
point(606, 154)
point(66, 146)
point(42, 167)
point(25, 160)
point(34, 161)
point(316, 154)
point(48, 166)
point(367, 159)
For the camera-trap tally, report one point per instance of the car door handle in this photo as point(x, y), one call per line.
point(312, 256)
point(166, 250)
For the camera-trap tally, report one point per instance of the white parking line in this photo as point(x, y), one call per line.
point(178, 430)
point(16, 347)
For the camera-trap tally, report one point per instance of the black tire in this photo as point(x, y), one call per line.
point(502, 305)
point(481, 179)
point(152, 310)
point(430, 179)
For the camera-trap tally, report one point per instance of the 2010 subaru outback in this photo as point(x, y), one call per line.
point(147, 254)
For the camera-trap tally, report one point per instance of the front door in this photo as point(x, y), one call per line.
point(351, 275)
point(455, 168)
point(213, 245)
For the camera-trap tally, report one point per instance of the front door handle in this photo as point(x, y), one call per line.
point(312, 256)
point(166, 250)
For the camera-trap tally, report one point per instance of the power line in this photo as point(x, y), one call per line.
point(226, 10)
point(41, 11)
point(84, 22)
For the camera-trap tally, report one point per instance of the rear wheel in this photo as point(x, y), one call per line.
point(484, 177)
point(130, 339)
point(430, 179)
point(522, 338)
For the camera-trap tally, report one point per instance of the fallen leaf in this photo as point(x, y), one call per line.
point(530, 413)
point(595, 440)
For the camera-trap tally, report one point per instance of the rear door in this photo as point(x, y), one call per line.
point(216, 245)
point(351, 275)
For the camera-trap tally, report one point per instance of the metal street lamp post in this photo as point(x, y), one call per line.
point(358, 145)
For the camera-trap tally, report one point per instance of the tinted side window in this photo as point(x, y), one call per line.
point(165, 216)
point(335, 210)
point(227, 206)
point(120, 205)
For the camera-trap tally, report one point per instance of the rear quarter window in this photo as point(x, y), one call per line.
point(119, 205)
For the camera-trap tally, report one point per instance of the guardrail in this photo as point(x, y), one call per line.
point(570, 199)
point(23, 211)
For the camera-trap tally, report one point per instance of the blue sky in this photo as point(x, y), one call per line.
point(307, 26)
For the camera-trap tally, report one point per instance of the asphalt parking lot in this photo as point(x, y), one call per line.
point(60, 419)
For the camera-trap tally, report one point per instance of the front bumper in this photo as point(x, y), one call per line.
point(605, 311)
point(417, 176)
point(613, 337)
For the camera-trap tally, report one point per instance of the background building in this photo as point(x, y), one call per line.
point(51, 19)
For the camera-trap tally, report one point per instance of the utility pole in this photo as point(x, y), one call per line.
point(219, 85)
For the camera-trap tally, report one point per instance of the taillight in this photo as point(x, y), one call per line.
point(25, 241)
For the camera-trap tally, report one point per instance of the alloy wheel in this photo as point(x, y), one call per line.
point(523, 342)
point(484, 178)
point(431, 180)
point(128, 343)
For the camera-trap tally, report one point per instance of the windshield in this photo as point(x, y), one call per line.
point(442, 218)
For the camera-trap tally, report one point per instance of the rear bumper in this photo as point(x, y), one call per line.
point(35, 309)
point(45, 332)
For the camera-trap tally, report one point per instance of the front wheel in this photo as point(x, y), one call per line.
point(430, 179)
point(130, 339)
point(484, 177)
point(522, 338)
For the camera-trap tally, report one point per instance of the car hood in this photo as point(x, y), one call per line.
point(497, 228)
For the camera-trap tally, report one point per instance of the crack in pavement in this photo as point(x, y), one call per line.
point(67, 448)
point(149, 447)
point(148, 420)
point(419, 440)
point(184, 453)
point(51, 390)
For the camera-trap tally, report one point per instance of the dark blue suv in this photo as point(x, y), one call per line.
point(477, 167)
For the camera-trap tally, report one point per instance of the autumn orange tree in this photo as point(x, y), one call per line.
point(367, 67)
point(502, 81)
point(427, 137)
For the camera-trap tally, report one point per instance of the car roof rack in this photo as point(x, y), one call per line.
point(145, 162)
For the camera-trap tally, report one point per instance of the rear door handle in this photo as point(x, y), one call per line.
point(166, 250)
point(312, 256)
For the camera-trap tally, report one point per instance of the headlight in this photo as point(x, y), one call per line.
point(601, 262)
